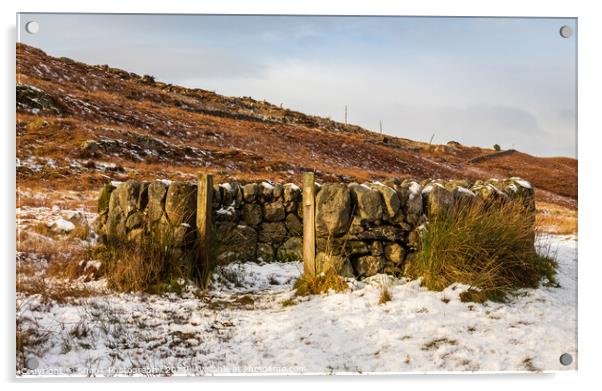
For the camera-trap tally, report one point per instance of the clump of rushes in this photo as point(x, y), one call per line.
point(320, 283)
point(487, 245)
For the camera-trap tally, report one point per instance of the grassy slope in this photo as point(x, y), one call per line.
point(172, 132)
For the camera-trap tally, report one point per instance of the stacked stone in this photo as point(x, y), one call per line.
point(361, 229)
point(370, 228)
point(365, 229)
point(258, 221)
point(255, 221)
point(156, 211)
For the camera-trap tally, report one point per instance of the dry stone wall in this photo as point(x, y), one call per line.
point(255, 221)
point(370, 228)
point(361, 229)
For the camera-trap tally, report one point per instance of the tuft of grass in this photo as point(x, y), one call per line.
point(487, 245)
point(320, 283)
point(288, 302)
point(140, 266)
point(529, 366)
point(52, 291)
point(435, 343)
point(385, 294)
point(81, 231)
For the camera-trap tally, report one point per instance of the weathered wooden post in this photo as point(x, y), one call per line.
point(309, 224)
point(203, 220)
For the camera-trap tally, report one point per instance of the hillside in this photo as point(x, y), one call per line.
point(80, 125)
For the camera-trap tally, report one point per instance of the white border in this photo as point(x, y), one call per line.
point(589, 184)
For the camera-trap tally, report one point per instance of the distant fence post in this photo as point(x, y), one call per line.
point(309, 224)
point(203, 220)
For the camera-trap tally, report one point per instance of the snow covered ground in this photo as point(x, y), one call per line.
point(243, 326)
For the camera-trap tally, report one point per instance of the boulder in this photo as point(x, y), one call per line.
point(331, 245)
point(354, 247)
point(294, 225)
point(394, 253)
point(339, 264)
point(180, 203)
point(278, 191)
point(376, 248)
point(272, 232)
point(156, 200)
point(274, 211)
point(368, 265)
point(488, 192)
point(463, 196)
point(130, 197)
point(390, 198)
point(115, 225)
point(265, 252)
point(104, 197)
point(333, 209)
point(291, 196)
point(266, 191)
point(135, 220)
point(291, 193)
point(410, 195)
point(415, 237)
point(251, 214)
point(437, 199)
point(368, 202)
point(226, 213)
point(519, 188)
point(236, 243)
point(291, 250)
point(385, 233)
point(250, 192)
point(357, 226)
point(299, 209)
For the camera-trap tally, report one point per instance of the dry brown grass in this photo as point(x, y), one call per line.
point(555, 219)
point(148, 265)
point(244, 147)
point(52, 290)
point(385, 294)
point(320, 283)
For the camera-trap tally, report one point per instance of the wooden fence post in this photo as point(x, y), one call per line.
point(309, 224)
point(203, 220)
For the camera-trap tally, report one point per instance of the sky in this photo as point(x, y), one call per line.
point(478, 81)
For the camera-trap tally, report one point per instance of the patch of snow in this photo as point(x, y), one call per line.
point(293, 186)
point(414, 189)
point(166, 182)
point(521, 182)
point(349, 332)
point(267, 185)
point(465, 190)
point(256, 277)
point(227, 186)
point(61, 225)
point(512, 187)
point(226, 211)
